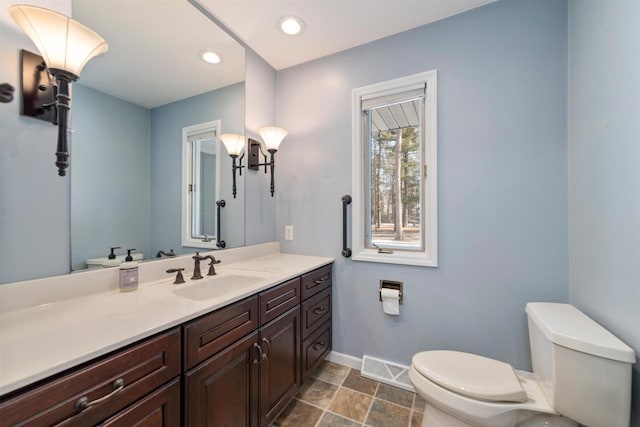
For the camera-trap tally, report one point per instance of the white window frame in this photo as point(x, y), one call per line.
point(187, 173)
point(428, 257)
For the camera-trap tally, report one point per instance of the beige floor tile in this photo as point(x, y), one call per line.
point(317, 392)
point(357, 382)
point(298, 414)
point(331, 373)
point(395, 395)
point(333, 420)
point(385, 414)
point(351, 404)
point(416, 419)
point(418, 403)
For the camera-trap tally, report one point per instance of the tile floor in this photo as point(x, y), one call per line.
point(337, 396)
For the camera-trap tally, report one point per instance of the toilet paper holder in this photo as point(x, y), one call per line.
point(390, 284)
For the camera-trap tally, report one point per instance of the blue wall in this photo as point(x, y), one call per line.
point(110, 200)
point(604, 167)
point(225, 104)
point(260, 218)
point(34, 200)
point(502, 94)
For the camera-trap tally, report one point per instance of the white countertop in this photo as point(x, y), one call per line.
point(40, 340)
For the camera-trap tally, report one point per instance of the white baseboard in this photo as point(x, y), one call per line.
point(345, 360)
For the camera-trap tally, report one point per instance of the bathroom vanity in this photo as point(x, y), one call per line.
point(237, 362)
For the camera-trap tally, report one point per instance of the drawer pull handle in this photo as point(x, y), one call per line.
point(319, 310)
point(83, 403)
point(265, 356)
point(260, 354)
point(321, 281)
point(318, 346)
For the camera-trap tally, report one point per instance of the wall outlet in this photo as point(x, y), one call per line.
point(288, 232)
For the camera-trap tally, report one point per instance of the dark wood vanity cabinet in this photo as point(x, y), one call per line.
point(316, 316)
point(250, 381)
point(103, 390)
point(237, 366)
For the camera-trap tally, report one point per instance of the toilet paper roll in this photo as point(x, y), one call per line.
point(390, 301)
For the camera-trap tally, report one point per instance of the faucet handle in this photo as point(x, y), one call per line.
point(179, 278)
point(212, 268)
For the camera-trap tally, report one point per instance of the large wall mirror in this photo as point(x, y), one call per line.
point(129, 109)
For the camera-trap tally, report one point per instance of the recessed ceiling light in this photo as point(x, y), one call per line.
point(291, 25)
point(210, 57)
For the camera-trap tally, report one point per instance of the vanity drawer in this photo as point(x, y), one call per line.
point(140, 369)
point(278, 300)
point(213, 332)
point(315, 281)
point(162, 408)
point(315, 349)
point(315, 311)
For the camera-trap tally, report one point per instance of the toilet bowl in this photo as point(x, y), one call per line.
point(581, 374)
point(448, 408)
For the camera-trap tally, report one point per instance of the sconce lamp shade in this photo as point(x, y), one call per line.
point(272, 136)
point(64, 44)
point(233, 142)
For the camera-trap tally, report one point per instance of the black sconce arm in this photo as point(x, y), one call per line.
point(6, 93)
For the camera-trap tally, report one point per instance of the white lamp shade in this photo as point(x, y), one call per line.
point(233, 142)
point(272, 136)
point(64, 44)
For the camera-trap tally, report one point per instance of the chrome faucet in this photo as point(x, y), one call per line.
point(196, 268)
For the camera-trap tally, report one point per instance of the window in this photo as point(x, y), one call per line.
point(394, 179)
point(200, 184)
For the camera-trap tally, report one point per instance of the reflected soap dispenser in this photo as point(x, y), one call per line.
point(128, 274)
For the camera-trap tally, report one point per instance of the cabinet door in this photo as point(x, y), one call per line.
point(159, 409)
point(223, 390)
point(280, 367)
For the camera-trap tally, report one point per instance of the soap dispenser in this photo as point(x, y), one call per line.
point(129, 273)
point(112, 261)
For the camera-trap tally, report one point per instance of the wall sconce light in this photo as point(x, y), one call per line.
point(272, 137)
point(235, 145)
point(66, 46)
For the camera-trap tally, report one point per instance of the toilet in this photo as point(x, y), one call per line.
point(581, 374)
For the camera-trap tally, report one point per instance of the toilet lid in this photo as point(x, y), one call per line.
point(471, 375)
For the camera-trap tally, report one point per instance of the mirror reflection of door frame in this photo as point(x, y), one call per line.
point(206, 129)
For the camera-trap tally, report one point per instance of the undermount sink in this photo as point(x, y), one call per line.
point(217, 286)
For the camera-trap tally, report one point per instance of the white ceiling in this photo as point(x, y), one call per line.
point(332, 25)
point(153, 50)
point(153, 44)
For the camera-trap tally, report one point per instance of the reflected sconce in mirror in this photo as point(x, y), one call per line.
point(272, 137)
point(234, 144)
point(66, 46)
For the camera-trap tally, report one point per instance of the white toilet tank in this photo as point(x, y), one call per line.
point(583, 369)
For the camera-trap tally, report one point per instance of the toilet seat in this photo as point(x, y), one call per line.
point(475, 411)
point(471, 375)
